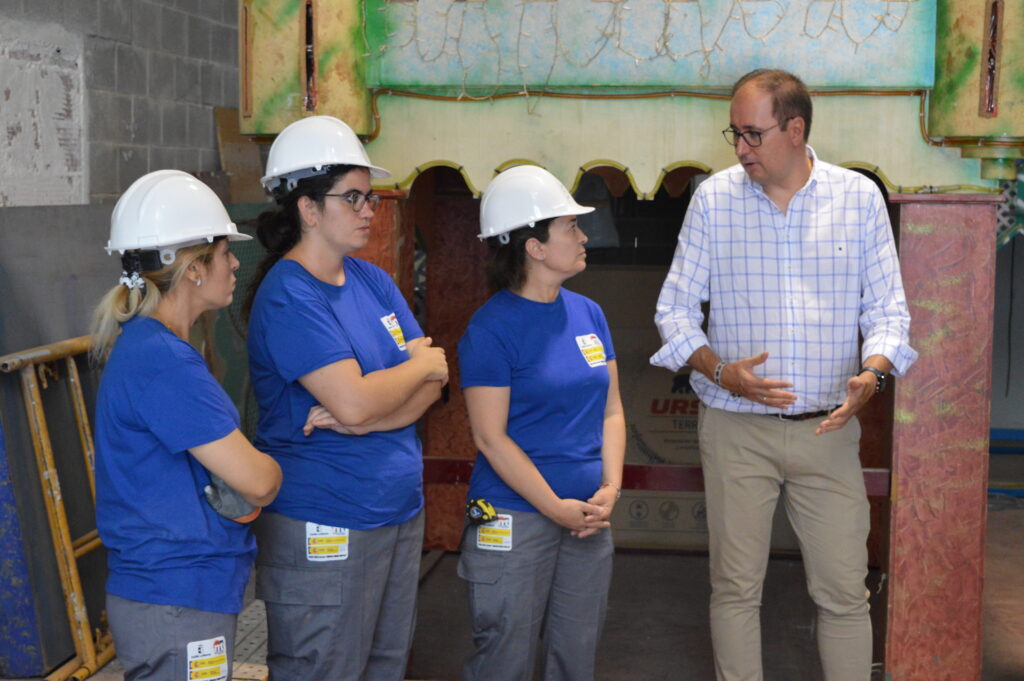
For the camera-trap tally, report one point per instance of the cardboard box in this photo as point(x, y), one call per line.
point(678, 520)
point(661, 415)
point(661, 408)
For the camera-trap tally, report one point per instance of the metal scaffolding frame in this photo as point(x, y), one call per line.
point(36, 366)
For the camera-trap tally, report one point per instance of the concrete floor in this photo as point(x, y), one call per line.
point(657, 626)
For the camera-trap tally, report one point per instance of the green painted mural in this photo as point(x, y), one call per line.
point(366, 53)
point(475, 48)
point(978, 101)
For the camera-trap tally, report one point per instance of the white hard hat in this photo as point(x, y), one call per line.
point(521, 196)
point(167, 210)
point(307, 146)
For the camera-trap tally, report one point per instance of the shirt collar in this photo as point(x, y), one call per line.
point(812, 179)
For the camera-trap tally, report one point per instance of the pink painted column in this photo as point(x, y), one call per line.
point(940, 440)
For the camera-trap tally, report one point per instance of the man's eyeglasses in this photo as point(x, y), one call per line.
point(357, 199)
point(753, 138)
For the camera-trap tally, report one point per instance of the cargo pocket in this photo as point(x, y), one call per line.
point(283, 573)
point(300, 586)
point(482, 572)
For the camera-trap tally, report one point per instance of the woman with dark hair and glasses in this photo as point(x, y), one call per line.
point(341, 372)
point(541, 386)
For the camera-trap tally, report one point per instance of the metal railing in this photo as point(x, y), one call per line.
point(41, 366)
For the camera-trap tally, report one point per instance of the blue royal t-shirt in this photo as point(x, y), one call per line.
point(299, 324)
point(553, 358)
point(165, 544)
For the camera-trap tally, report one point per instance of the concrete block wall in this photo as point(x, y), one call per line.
point(152, 71)
point(152, 76)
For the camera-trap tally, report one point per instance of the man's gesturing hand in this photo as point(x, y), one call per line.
point(739, 377)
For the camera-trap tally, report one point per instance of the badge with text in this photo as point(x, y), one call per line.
point(495, 535)
point(390, 323)
point(592, 349)
point(208, 659)
point(324, 542)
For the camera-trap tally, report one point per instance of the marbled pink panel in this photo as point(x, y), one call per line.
point(448, 218)
point(384, 247)
point(940, 440)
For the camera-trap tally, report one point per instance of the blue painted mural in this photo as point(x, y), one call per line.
point(478, 47)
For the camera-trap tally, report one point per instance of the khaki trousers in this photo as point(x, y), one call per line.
point(747, 459)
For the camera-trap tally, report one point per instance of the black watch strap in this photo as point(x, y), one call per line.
point(879, 376)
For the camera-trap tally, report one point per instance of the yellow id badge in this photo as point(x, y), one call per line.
point(592, 349)
point(495, 535)
point(390, 323)
point(324, 542)
point(208, 660)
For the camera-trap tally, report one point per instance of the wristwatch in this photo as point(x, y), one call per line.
point(879, 376)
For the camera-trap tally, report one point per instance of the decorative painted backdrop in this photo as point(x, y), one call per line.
point(481, 47)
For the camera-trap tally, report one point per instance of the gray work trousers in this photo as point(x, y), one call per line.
point(167, 642)
point(550, 588)
point(349, 619)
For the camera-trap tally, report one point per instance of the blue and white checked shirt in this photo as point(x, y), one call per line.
point(798, 285)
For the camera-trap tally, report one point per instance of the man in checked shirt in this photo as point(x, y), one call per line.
point(796, 256)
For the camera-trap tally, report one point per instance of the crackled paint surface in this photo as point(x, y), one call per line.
point(42, 162)
point(696, 43)
point(476, 48)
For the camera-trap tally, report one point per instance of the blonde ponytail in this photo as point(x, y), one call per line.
point(121, 304)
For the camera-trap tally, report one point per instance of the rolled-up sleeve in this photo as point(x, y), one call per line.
point(678, 315)
point(884, 317)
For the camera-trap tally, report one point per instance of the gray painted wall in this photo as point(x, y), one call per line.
point(152, 71)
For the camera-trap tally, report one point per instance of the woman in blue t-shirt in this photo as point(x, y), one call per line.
point(541, 387)
point(165, 431)
point(341, 372)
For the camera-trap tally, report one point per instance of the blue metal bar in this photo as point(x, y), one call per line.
point(20, 650)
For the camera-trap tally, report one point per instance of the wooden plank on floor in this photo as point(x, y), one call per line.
point(249, 672)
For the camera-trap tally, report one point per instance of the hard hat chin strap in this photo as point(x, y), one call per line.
point(503, 238)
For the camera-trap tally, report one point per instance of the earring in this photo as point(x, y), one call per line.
point(199, 282)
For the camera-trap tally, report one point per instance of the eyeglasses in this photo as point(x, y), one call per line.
point(751, 137)
point(357, 199)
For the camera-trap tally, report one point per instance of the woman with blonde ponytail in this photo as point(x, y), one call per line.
point(175, 478)
point(138, 297)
